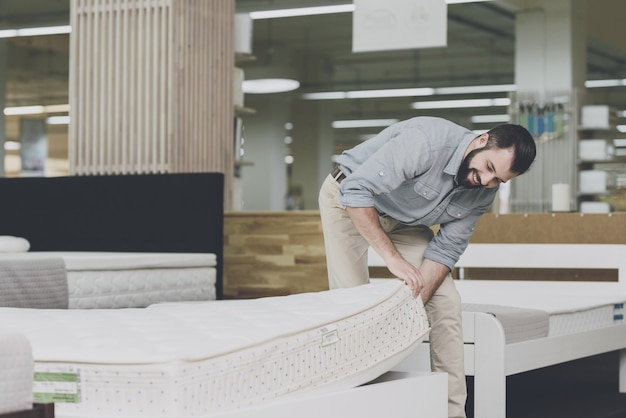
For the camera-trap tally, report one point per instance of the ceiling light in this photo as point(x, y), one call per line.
point(495, 88)
point(309, 11)
point(58, 120)
point(36, 110)
point(408, 92)
point(605, 83)
point(37, 31)
point(363, 123)
point(269, 85)
point(23, 110)
point(490, 118)
point(302, 11)
point(454, 104)
point(621, 128)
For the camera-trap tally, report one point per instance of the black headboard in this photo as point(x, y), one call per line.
point(181, 212)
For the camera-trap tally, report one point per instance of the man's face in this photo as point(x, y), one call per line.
point(486, 168)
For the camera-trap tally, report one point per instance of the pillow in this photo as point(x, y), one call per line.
point(11, 244)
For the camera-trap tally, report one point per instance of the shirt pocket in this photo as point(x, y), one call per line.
point(425, 191)
point(457, 211)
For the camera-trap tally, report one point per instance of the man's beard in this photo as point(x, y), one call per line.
point(465, 170)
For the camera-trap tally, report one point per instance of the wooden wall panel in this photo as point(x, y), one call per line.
point(151, 87)
point(278, 253)
point(273, 253)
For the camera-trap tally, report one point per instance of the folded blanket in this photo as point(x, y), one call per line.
point(519, 324)
point(11, 244)
point(34, 283)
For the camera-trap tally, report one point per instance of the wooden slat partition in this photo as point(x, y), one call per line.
point(151, 87)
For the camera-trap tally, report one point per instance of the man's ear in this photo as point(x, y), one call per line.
point(482, 140)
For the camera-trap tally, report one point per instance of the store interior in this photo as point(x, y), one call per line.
point(292, 136)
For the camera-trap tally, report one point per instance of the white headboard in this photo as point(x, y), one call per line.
point(566, 256)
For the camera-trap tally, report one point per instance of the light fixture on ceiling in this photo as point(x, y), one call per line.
point(58, 120)
point(605, 83)
point(320, 10)
point(621, 128)
point(36, 110)
point(409, 92)
point(490, 118)
point(456, 104)
point(269, 85)
point(35, 31)
point(362, 123)
point(302, 11)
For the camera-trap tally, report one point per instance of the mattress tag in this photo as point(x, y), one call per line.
point(330, 335)
point(56, 384)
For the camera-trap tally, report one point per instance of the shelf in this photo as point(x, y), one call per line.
point(241, 110)
point(241, 57)
point(243, 163)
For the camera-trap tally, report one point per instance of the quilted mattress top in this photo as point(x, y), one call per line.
point(187, 331)
point(75, 260)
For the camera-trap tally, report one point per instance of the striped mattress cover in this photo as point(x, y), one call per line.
point(131, 280)
point(196, 358)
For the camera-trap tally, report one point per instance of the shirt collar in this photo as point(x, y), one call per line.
point(453, 165)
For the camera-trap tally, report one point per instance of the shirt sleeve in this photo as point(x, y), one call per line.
point(453, 237)
point(405, 155)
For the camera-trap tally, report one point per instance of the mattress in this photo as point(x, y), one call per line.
point(193, 359)
point(571, 307)
point(132, 280)
point(16, 372)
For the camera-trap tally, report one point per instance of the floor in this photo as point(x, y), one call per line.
point(586, 388)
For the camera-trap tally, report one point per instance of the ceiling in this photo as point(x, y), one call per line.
point(479, 51)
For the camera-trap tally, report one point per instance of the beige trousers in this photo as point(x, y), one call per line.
point(346, 256)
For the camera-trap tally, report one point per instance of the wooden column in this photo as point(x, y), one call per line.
point(151, 87)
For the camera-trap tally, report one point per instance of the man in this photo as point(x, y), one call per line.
point(389, 190)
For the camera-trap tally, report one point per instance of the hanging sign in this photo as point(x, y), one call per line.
point(398, 24)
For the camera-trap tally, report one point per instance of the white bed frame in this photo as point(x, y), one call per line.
point(490, 359)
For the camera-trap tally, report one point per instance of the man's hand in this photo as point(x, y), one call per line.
point(404, 270)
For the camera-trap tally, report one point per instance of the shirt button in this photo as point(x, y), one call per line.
point(381, 173)
point(458, 214)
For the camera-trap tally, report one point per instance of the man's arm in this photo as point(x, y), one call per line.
point(424, 280)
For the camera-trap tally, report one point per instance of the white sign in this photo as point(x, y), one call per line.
point(398, 24)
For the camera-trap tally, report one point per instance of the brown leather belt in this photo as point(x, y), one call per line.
point(337, 174)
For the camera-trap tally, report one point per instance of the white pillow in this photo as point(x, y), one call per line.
point(11, 244)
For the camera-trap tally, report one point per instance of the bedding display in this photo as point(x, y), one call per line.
point(187, 359)
point(16, 372)
point(584, 318)
point(122, 280)
point(130, 213)
point(568, 307)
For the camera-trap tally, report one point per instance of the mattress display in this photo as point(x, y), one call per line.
point(570, 306)
point(16, 372)
point(195, 358)
point(130, 280)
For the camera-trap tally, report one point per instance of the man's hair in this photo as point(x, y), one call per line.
point(510, 135)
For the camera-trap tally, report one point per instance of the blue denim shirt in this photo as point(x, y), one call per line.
point(408, 172)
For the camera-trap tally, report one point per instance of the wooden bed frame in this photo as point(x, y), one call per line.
point(487, 355)
point(182, 212)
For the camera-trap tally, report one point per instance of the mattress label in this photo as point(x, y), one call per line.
point(330, 335)
point(56, 384)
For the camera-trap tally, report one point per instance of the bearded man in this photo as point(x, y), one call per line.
point(387, 193)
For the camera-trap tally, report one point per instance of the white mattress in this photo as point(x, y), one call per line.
point(125, 280)
point(193, 359)
point(16, 372)
point(571, 306)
